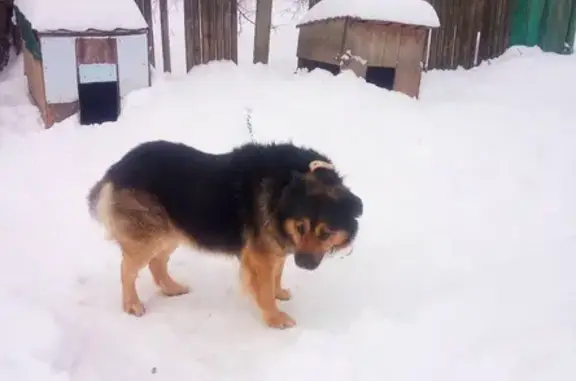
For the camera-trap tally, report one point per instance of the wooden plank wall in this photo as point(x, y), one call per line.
point(410, 55)
point(210, 27)
point(321, 41)
point(456, 42)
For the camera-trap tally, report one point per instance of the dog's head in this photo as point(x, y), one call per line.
point(318, 214)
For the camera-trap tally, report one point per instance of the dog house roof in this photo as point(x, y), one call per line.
point(411, 12)
point(82, 15)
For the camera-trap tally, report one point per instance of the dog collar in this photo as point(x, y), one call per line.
point(314, 165)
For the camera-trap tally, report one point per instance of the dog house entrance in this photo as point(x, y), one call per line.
point(98, 93)
point(311, 65)
point(98, 88)
point(381, 76)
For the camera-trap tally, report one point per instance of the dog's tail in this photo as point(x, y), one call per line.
point(94, 197)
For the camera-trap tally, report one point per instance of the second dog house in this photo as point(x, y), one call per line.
point(383, 42)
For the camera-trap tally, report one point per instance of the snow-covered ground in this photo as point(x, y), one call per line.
point(463, 268)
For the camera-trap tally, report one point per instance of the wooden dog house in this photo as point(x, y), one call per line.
point(383, 42)
point(82, 56)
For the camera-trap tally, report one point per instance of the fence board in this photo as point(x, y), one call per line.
point(227, 30)
point(146, 9)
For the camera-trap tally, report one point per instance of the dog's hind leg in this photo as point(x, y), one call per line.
point(132, 263)
point(159, 269)
point(146, 236)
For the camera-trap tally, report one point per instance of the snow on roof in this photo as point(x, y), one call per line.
point(80, 15)
point(413, 12)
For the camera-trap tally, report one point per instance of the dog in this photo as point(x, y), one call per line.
point(257, 202)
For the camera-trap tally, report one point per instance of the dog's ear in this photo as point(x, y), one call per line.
point(355, 204)
point(293, 192)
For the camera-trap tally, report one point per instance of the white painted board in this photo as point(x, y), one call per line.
point(132, 62)
point(97, 72)
point(59, 63)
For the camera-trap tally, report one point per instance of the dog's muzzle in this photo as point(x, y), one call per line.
point(308, 261)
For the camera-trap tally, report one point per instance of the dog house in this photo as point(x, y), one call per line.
point(381, 41)
point(82, 56)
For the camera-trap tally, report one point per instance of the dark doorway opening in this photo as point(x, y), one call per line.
point(304, 63)
point(381, 76)
point(99, 102)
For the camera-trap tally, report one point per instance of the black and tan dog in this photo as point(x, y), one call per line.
point(257, 202)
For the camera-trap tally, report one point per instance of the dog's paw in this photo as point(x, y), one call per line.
point(175, 289)
point(279, 320)
point(283, 294)
point(134, 307)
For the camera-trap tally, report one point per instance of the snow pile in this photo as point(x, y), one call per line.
point(412, 12)
point(17, 114)
point(463, 268)
point(79, 15)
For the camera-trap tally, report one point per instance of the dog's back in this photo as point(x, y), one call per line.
point(192, 187)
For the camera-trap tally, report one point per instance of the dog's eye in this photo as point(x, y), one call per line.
point(324, 235)
point(300, 228)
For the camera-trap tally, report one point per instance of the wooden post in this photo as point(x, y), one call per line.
point(205, 22)
point(192, 33)
point(234, 31)
point(262, 31)
point(146, 9)
point(165, 27)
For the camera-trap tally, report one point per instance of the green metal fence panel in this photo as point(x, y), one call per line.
point(525, 19)
point(549, 24)
point(571, 34)
point(556, 22)
point(30, 40)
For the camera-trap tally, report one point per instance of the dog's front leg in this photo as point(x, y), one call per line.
point(259, 272)
point(280, 292)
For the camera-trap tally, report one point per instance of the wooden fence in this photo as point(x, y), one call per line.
point(471, 31)
point(210, 27)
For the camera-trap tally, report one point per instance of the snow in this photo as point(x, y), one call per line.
point(411, 12)
point(463, 268)
point(80, 15)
